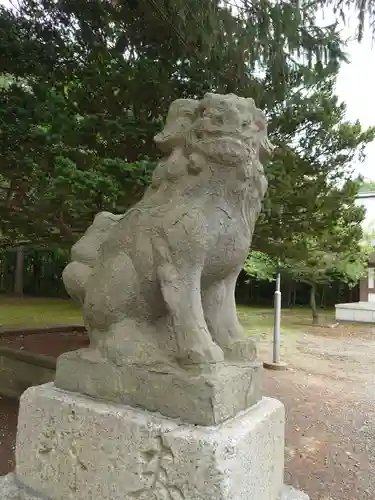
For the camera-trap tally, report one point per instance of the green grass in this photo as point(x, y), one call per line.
point(37, 313)
point(41, 312)
point(34, 312)
point(260, 320)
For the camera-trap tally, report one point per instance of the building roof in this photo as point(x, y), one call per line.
point(366, 195)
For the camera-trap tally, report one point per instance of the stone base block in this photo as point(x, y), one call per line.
point(199, 394)
point(72, 447)
point(11, 489)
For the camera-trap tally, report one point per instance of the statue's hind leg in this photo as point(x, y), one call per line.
point(221, 316)
point(112, 293)
point(182, 294)
point(75, 277)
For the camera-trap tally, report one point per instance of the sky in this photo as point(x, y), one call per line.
point(356, 87)
point(355, 84)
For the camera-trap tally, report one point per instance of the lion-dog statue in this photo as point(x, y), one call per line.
point(158, 282)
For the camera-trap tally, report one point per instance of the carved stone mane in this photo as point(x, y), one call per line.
point(190, 129)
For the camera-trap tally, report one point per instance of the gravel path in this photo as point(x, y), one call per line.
point(329, 394)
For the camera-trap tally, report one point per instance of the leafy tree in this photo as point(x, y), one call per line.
point(261, 266)
point(337, 254)
point(311, 173)
point(90, 86)
point(317, 267)
point(50, 187)
point(320, 266)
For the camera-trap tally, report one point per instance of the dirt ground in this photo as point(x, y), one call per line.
point(329, 394)
point(49, 344)
point(8, 427)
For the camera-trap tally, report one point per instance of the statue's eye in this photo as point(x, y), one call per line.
point(217, 120)
point(202, 111)
point(245, 123)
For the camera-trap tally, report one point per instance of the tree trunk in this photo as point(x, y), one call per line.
point(290, 293)
point(18, 278)
point(322, 297)
point(314, 310)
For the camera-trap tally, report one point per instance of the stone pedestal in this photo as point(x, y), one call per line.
point(197, 394)
point(71, 446)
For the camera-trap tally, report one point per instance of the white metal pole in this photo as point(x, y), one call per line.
point(276, 328)
point(276, 364)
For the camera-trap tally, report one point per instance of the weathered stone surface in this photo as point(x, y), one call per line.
point(70, 446)
point(28, 494)
point(12, 490)
point(8, 488)
point(84, 255)
point(290, 493)
point(161, 279)
point(203, 395)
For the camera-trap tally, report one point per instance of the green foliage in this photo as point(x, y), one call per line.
point(337, 254)
point(51, 186)
point(311, 175)
point(319, 266)
point(42, 268)
point(90, 86)
point(327, 259)
point(260, 266)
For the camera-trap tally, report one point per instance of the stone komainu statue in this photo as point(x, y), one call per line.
point(158, 283)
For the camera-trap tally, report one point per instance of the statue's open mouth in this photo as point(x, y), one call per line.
point(224, 149)
point(220, 136)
